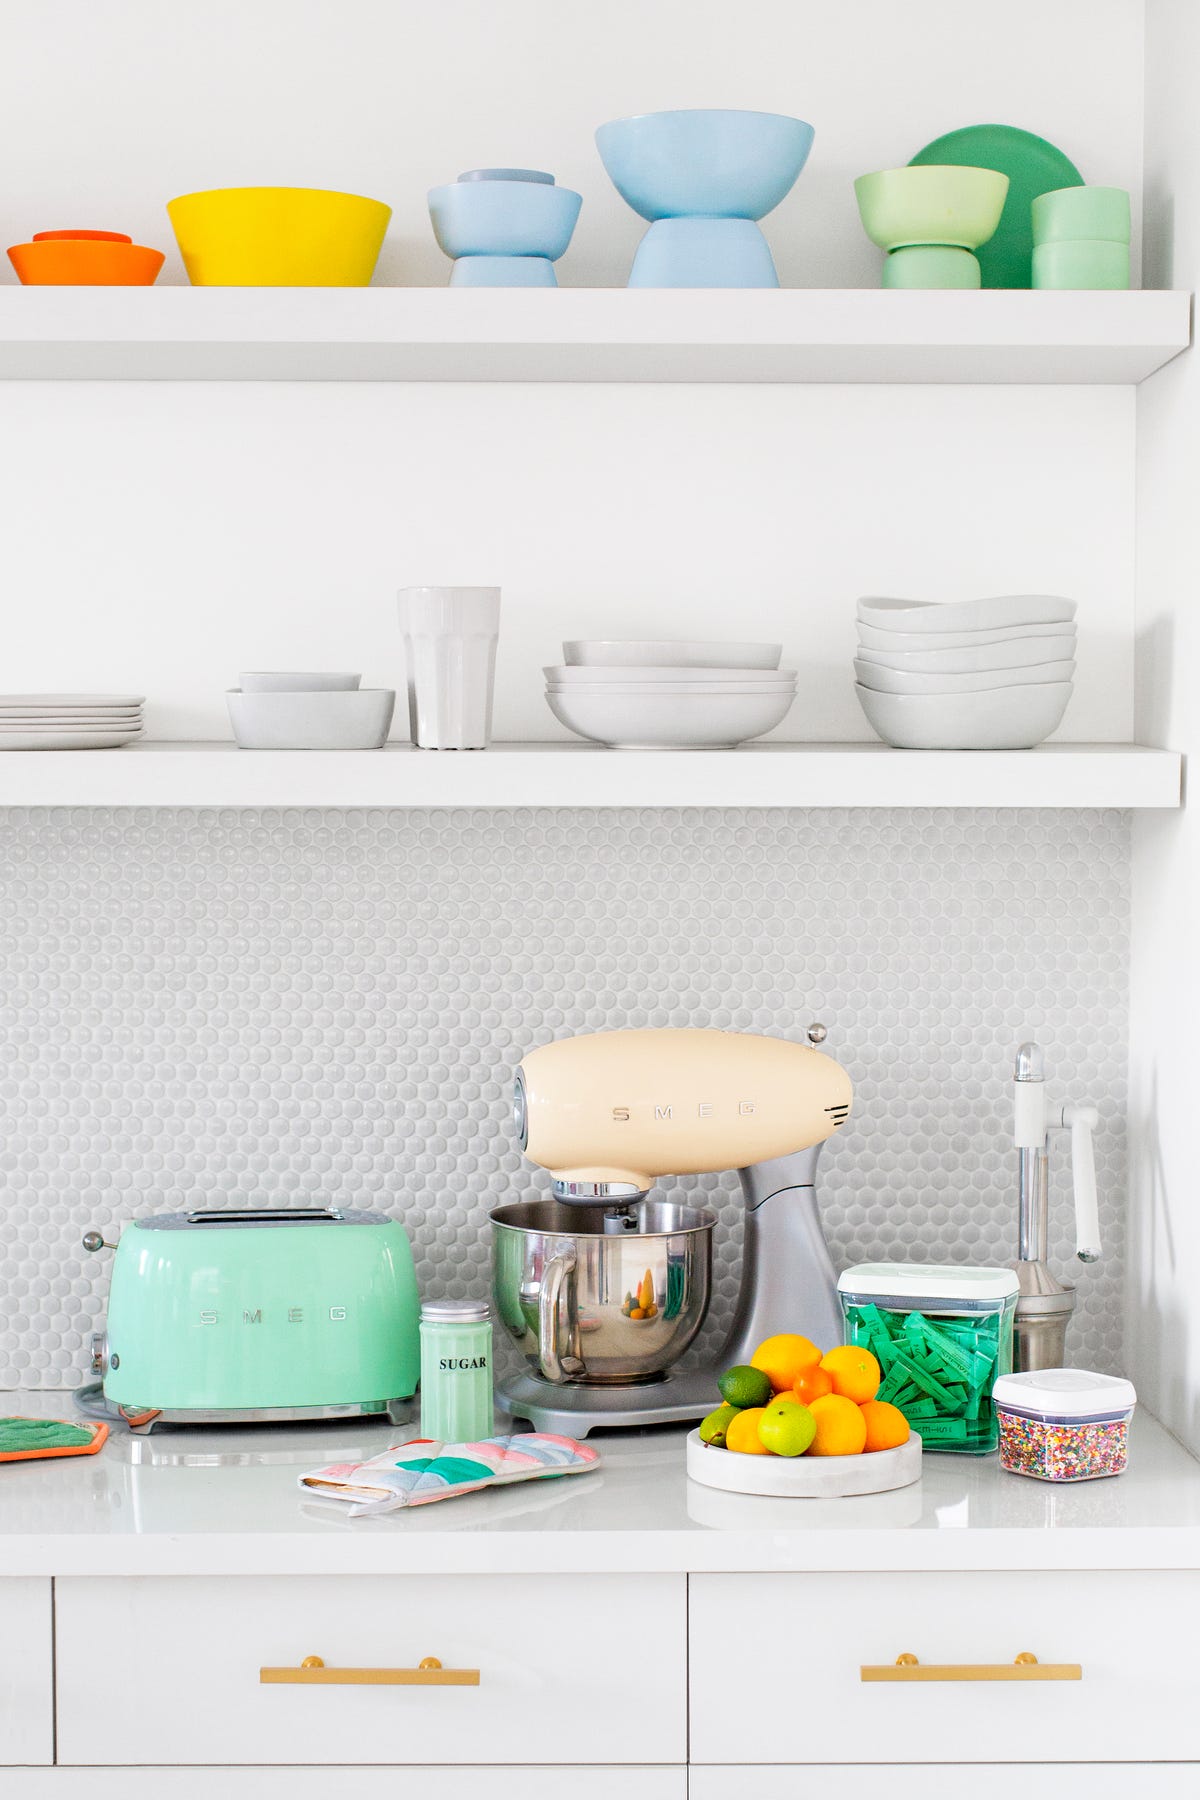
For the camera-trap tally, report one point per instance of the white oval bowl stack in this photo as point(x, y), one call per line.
point(669, 694)
point(992, 674)
point(308, 709)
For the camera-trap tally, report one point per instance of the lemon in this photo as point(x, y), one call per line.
point(743, 1386)
point(713, 1429)
point(742, 1433)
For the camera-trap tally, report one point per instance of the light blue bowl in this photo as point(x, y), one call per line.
point(503, 218)
point(706, 163)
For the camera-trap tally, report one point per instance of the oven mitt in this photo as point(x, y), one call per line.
point(424, 1470)
point(21, 1440)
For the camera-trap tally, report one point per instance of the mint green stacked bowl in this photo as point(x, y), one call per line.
point(931, 219)
point(1081, 238)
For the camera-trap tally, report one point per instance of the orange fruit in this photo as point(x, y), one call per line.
point(841, 1428)
point(887, 1427)
point(812, 1384)
point(855, 1373)
point(782, 1358)
point(742, 1433)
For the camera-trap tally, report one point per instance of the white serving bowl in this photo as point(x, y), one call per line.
point(1014, 718)
point(904, 681)
point(1008, 611)
point(1012, 653)
point(644, 720)
point(873, 638)
point(354, 719)
point(682, 653)
point(295, 681)
point(651, 675)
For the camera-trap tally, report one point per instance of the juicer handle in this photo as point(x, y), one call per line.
point(1081, 1121)
point(554, 1277)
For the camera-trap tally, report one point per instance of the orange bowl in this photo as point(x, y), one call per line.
point(85, 259)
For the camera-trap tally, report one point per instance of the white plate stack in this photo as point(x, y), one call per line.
point(967, 675)
point(669, 694)
point(69, 721)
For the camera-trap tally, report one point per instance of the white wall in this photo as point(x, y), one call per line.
point(1164, 1201)
point(163, 538)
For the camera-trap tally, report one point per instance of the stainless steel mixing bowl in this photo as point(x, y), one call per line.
point(569, 1279)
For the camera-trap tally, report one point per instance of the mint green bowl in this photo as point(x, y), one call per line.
point(931, 204)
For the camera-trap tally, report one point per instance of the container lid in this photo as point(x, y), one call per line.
point(1065, 1393)
point(453, 1312)
point(928, 1281)
point(538, 175)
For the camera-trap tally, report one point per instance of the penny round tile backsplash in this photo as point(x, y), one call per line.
point(223, 1008)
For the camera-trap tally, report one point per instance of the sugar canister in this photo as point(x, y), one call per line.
point(456, 1371)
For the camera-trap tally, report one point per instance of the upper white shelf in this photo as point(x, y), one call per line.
point(555, 774)
point(586, 334)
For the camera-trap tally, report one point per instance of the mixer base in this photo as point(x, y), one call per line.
point(575, 1411)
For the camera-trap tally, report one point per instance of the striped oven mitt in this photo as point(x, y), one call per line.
point(414, 1474)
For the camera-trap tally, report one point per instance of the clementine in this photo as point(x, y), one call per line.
point(811, 1384)
point(887, 1427)
point(841, 1428)
point(855, 1373)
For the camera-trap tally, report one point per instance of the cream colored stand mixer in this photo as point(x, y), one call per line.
point(604, 1288)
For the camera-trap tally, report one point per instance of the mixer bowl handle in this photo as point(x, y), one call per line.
point(555, 1276)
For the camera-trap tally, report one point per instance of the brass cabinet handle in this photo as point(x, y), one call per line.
point(1026, 1668)
point(428, 1673)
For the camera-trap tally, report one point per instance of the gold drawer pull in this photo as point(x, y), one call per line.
point(428, 1673)
point(1025, 1668)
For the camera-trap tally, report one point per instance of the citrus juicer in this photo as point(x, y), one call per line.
point(602, 1288)
point(1045, 1304)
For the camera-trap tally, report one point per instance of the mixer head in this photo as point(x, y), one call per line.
point(610, 1113)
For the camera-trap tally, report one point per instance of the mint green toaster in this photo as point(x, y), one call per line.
point(262, 1315)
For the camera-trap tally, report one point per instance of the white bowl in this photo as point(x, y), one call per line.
point(1000, 610)
point(356, 719)
point(1012, 653)
point(905, 681)
point(1014, 718)
point(599, 675)
point(681, 721)
point(683, 653)
point(873, 638)
point(295, 681)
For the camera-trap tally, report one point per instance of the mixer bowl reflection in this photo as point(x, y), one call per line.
point(598, 1297)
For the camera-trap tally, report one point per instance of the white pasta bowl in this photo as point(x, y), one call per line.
point(1014, 718)
point(347, 719)
point(904, 681)
point(295, 681)
point(873, 638)
point(689, 653)
point(643, 719)
point(1008, 611)
point(1013, 653)
point(651, 675)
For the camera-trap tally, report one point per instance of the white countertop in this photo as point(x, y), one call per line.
point(184, 1503)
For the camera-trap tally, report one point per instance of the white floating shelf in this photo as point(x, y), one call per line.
point(775, 774)
point(586, 334)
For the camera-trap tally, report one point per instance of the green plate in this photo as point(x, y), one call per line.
point(1033, 167)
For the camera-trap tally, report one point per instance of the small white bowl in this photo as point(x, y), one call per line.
point(999, 610)
point(355, 719)
point(601, 675)
point(295, 681)
point(681, 721)
point(906, 681)
point(682, 653)
point(1014, 718)
point(1013, 653)
point(874, 638)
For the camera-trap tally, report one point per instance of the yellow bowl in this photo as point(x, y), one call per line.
point(278, 237)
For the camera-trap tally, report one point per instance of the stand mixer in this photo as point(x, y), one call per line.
point(603, 1288)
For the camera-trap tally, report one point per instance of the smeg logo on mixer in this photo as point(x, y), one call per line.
point(295, 1315)
point(664, 1115)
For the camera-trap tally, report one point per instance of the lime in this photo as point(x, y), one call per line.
point(787, 1428)
point(743, 1386)
point(713, 1429)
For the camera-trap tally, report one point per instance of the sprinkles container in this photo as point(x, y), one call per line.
point(941, 1334)
point(1063, 1424)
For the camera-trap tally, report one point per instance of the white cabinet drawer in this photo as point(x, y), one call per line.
point(982, 1781)
point(573, 1669)
point(26, 1672)
point(384, 1784)
point(797, 1642)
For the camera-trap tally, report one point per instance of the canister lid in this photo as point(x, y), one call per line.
point(930, 1282)
point(453, 1312)
point(1064, 1393)
point(537, 175)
